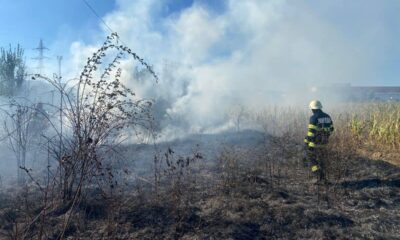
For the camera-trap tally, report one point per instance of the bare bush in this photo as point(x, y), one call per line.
point(95, 115)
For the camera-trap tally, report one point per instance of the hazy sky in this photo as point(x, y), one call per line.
point(368, 25)
point(58, 22)
point(223, 52)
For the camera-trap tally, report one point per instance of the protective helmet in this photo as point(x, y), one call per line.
point(315, 104)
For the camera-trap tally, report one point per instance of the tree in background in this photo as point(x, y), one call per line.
point(17, 127)
point(238, 114)
point(12, 70)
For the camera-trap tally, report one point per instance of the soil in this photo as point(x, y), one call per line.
point(254, 199)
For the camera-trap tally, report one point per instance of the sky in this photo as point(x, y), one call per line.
point(60, 23)
point(213, 54)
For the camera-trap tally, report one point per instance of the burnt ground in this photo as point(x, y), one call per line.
point(239, 190)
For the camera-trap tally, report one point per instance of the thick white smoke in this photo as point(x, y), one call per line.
point(253, 53)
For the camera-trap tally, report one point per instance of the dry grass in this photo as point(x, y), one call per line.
point(249, 192)
point(373, 129)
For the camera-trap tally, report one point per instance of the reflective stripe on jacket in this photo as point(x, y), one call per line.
point(320, 128)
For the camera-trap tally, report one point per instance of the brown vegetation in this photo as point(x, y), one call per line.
point(258, 191)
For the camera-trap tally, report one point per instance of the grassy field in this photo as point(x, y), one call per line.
point(258, 190)
point(371, 128)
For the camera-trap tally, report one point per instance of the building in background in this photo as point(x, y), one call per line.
point(377, 93)
point(347, 92)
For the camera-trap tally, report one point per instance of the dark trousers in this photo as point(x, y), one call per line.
point(317, 157)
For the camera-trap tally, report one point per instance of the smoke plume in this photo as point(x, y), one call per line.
point(249, 53)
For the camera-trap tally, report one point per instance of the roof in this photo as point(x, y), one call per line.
point(376, 89)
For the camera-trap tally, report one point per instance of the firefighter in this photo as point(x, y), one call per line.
point(320, 128)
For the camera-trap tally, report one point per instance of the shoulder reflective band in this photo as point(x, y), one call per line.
point(310, 134)
point(306, 141)
point(312, 126)
point(314, 168)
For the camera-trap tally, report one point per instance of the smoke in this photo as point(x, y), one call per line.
point(250, 53)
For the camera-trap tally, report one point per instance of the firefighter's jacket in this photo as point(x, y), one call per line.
point(320, 128)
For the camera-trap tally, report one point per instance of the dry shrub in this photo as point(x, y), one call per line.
point(94, 116)
point(229, 168)
point(283, 121)
point(176, 183)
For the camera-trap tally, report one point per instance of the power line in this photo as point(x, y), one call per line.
point(98, 16)
point(114, 32)
point(41, 56)
point(102, 21)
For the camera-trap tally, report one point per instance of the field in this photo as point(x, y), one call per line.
point(247, 184)
point(188, 119)
point(249, 181)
